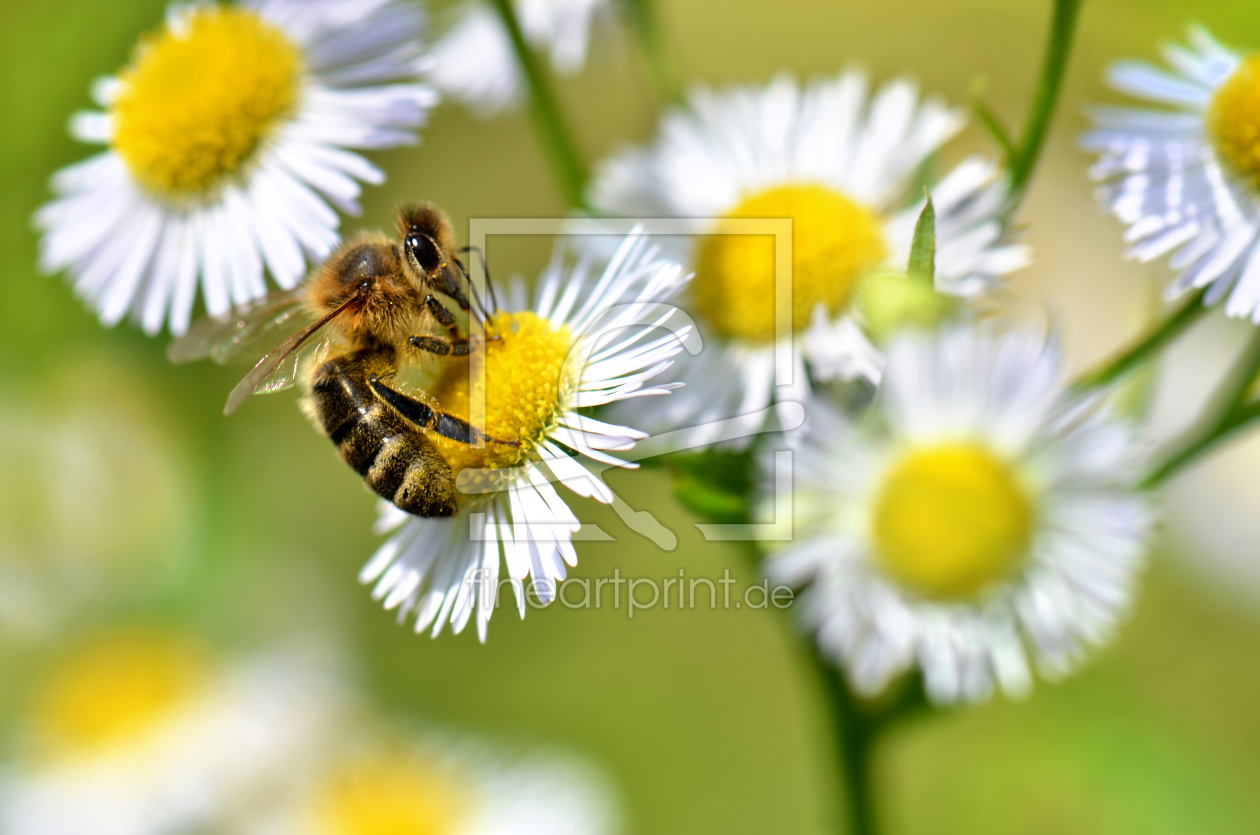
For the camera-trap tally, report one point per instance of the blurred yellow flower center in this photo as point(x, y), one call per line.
point(200, 99)
point(951, 519)
point(116, 688)
point(1234, 119)
point(835, 241)
point(387, 795)
point(523, 387)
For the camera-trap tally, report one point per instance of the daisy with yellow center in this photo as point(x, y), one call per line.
point(1185, 178)
point(587, 340)
point(147, 731)
point(473, 60)
point(229, 141)
point(839, 164)
point(977, 520)
point(377, 782)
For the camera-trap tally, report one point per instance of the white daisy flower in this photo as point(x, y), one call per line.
point(474, 61)
point(838, 163)
point(1185, 178)
point(585, 341)
point(978, 519)
point(142, 731)
point(228, 138)
point(437, 787)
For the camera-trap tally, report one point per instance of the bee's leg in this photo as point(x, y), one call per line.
point(457, 346)
point(425, 417)
point(444, 316)
point(440, 345)
point(451, 285)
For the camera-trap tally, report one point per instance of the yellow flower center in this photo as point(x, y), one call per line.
point(198, 101)
point(835, 241)
point(951, 519)
point(387, 795)
point(1234, 119)
point(524, 386)
point(117, 687)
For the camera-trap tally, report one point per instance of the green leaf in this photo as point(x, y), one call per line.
point(714, 484)
point(923, 250)
point(708, 502)
point(995, 128)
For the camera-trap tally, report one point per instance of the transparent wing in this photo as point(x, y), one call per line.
point(280, 368)
point(310, 353)
point(221, 338)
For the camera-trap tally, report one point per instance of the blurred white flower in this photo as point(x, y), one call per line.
point(1185, 178)
point(840, 165)
point(977, 519)
point(96, 502)
point(388, 783)
point(142, 731)
point(228, 138)
point(587, 340)
point(474, 63)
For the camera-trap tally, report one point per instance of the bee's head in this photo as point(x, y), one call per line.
point(423, 253)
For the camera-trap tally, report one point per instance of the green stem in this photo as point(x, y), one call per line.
point(857, 724)
point(1227, 413)
point(555, 133)
point(855, 738)
point(853, 735)
point(1150, 344)
point(660, 63)
point(1053, 67)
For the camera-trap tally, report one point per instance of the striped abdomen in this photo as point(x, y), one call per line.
point(398, 462)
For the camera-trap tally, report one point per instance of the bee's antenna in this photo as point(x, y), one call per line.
point(477, 306)
point(485, 268)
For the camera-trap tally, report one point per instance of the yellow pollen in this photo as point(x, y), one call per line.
point(1234, 119)
point(523, 390)
point(196, 104)
point(116, 688)
point(835, 241)
point(950, 520)
point(387, 795)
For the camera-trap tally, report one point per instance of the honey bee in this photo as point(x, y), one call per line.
point(369, 303)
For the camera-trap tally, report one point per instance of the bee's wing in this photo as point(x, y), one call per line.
point(223, 337)
point(273, 373)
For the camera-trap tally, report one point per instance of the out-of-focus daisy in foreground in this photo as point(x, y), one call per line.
point(141, 731)
point(978, 518)
point(473, 62)
point(587, 340)
point(438, 786)
point(228, 137)
point(839, 164)
point(1185, 177)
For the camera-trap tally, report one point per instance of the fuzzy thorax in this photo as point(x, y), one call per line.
point(391, 309)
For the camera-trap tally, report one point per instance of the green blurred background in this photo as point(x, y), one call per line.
point(250, 530)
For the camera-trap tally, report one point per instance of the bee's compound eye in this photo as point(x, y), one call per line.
point(426, 252)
